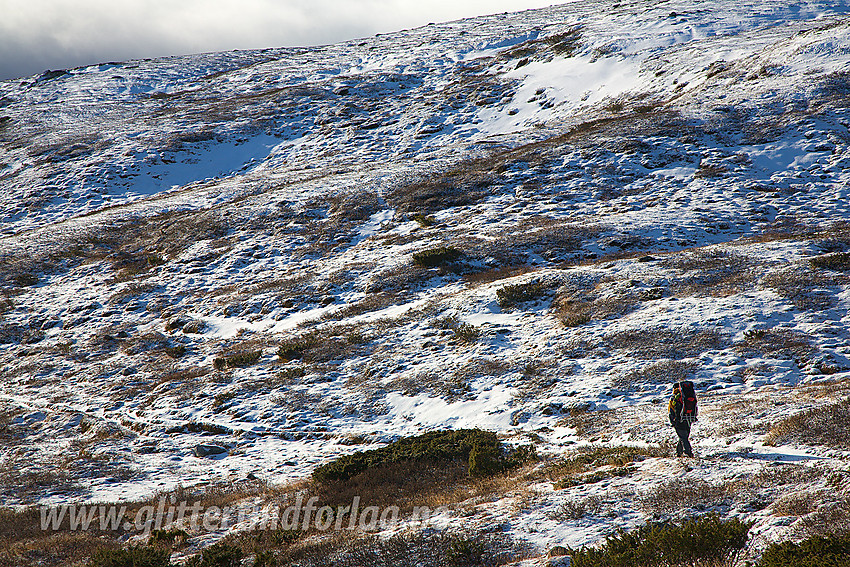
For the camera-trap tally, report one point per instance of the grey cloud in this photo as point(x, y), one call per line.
point(55, 34)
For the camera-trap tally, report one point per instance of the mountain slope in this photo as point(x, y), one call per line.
point(529, 223)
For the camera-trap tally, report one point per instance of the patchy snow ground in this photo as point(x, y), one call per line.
point(665, 169)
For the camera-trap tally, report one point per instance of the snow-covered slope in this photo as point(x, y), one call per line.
point(658, 175)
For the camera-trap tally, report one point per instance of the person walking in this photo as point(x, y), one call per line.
point(683, 413)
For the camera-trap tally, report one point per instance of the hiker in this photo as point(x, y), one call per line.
point(683, 412)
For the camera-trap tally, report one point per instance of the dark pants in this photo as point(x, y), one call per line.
point(683, 430)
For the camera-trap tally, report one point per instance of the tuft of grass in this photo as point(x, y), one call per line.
point(435, 257)
point(706, 539)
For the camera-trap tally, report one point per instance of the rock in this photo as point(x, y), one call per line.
point(209, 450)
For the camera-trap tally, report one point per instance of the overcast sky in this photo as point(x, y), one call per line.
point(36, 35)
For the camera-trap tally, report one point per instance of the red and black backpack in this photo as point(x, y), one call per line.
point(689, 401)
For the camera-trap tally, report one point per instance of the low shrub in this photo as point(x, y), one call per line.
point(661, 372)
point(467, 333)
point(832, 551)
point(25, 279)
point(465, 551)
point(696, 540)
point(481, 449)
point(512, 295)
point(218, 555)
point(167, 537)
point(176, 351)
point(578, 508)
point(829, 518)
point(237, 360)
point(776, 343)
point(435, 257)
point(839, 262)
point(293, 349)
point(137, 556)
point(325, 345)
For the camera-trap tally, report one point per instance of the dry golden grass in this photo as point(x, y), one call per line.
point(798, 503)
point(824, 425)
point(589, 423)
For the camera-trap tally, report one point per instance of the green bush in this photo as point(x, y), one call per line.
point(484, 460)
point(434, 446)
point(833, 551)
point(436, 257)
point(167, 537)
point(512, 295)
point(141, 556)
point(218, 555)
point(294, 349)
point(700, 539)
point(237, 360)
point(467, 333)
point(465, 551)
